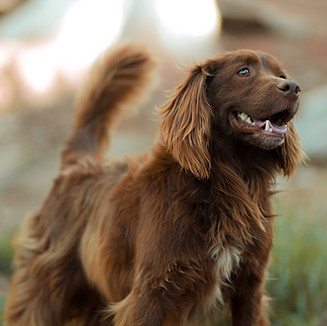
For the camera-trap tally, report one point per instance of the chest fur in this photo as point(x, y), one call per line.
point(226, 261)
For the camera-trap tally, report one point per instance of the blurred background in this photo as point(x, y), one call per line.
point(46, 47)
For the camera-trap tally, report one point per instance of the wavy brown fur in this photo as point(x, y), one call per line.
point(116, 80)
point(158, 240)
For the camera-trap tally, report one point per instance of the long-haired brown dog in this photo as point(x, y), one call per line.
point(162, 239)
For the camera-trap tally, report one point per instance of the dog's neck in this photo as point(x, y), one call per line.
point(233, 194)
point(233, 167)
point(251, 164)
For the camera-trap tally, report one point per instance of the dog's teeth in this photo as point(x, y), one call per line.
point(267, 127)
point(270, 130)
point(243, 116)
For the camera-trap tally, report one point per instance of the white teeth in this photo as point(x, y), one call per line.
point(267, 126)
point(243, 116)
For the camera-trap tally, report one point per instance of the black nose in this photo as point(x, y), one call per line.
point(290, 89)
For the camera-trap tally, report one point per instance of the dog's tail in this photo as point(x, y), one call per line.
point(117, 79)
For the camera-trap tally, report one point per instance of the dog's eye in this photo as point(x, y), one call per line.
point(244, 72)
point(282, 76)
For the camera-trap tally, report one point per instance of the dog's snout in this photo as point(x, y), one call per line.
point(290, 89)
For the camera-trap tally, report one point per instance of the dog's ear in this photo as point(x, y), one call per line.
point(290, 153)
point(185, 127)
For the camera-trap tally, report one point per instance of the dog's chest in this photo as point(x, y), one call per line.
point(226, 260)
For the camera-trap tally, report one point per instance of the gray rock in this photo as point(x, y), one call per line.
point(33, 19)
point(311, 124)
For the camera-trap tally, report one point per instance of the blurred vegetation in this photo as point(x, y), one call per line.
point(6, 253)
point(297, 280)
point(2, 305)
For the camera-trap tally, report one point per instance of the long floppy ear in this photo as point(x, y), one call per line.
point(291, 153)
point(185, 127)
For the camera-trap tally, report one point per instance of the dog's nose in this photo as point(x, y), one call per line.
point(290, 89)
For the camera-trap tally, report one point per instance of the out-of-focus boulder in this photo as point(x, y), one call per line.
point(311, 124)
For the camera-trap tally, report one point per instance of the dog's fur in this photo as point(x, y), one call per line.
point(162, 239)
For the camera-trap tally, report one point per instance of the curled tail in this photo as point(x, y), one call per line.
point(116, 79)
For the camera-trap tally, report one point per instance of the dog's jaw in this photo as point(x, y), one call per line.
point(263, 134)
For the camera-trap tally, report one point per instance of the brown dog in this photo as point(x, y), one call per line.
point(162, 240)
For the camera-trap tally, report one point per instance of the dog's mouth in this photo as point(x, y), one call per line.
point(273, 125)
point(271, 129)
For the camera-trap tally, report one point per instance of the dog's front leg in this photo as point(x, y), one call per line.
point(248, 306)
point(146, 310)
point(248, 303)
point(164, 295)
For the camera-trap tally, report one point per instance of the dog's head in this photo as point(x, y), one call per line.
point(244, 97)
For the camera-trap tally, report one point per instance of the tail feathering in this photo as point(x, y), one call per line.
point(117, 79)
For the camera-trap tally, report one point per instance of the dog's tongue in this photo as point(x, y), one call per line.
point(271, 127)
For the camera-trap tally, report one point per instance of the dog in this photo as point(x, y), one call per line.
point(164, 238)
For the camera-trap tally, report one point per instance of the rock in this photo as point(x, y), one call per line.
point(33, 18)
point(255, 15)
point(311, 124)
